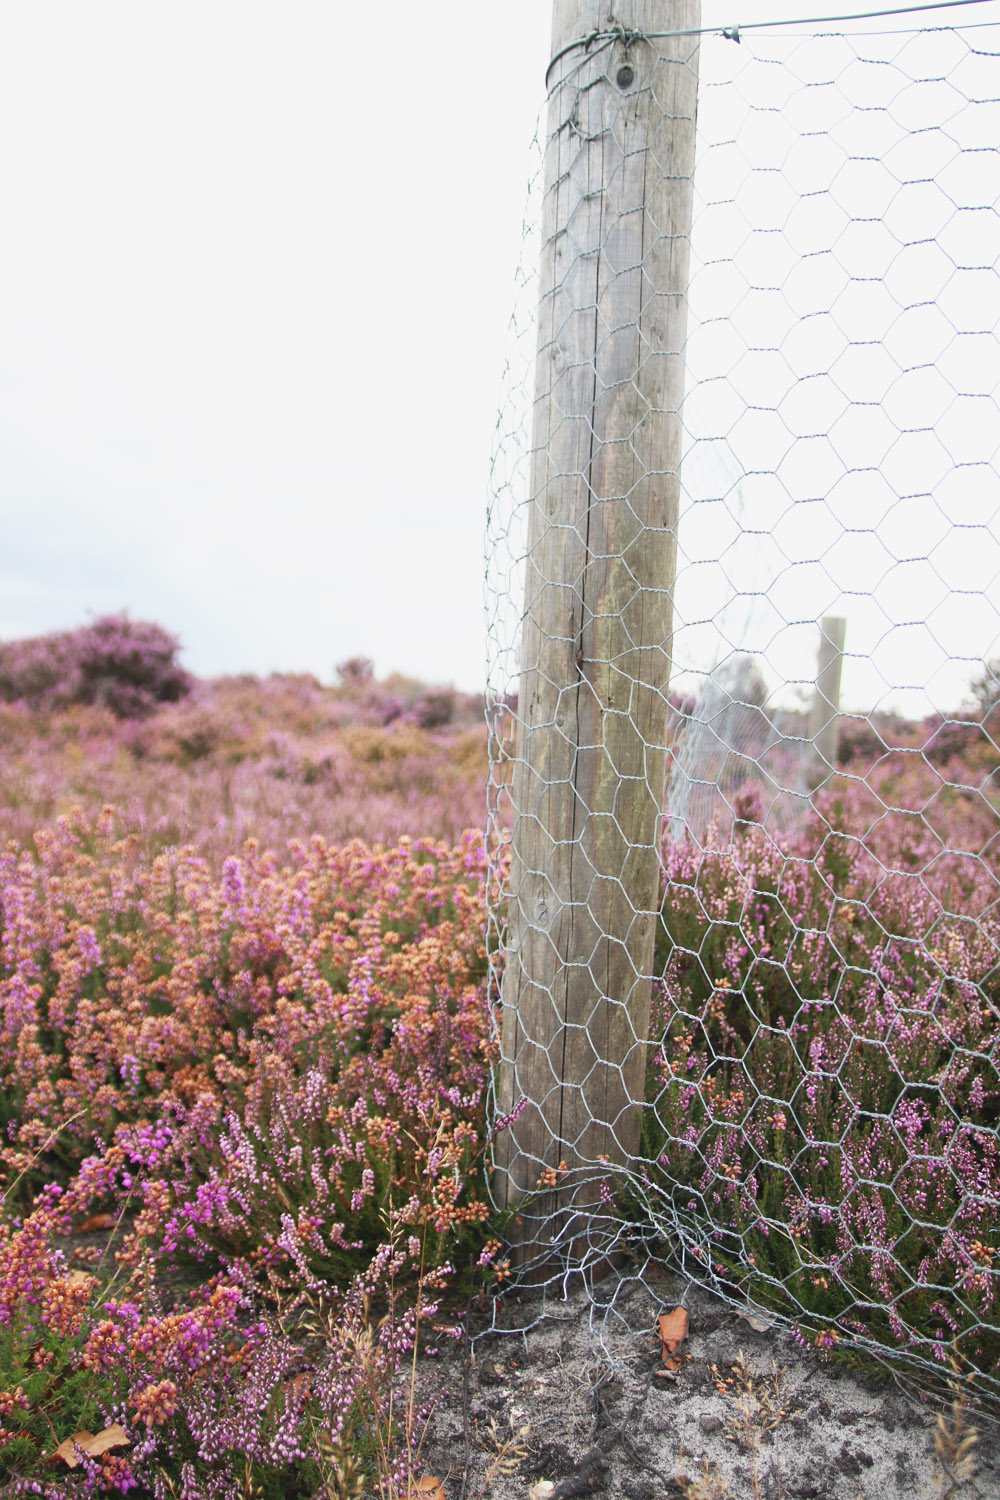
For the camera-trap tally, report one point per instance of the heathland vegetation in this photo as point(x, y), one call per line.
point(245, 1044)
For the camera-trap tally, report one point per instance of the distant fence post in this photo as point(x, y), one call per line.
point(589, 776)
point(824, 712)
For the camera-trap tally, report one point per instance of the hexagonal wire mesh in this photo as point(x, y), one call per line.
point(780, 1071)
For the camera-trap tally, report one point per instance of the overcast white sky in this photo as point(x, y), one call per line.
point(256, 268)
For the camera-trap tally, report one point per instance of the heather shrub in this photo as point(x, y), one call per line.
point(435, 708)
point(366, 964)
point(949, 738)
point(41, 1346)
point(356, 671)
point(244, 1030)
point(274, 759)
point(862, 738)
point(104, 1389)
point(268, 1081)
point(129, 666)
point(825, 1088)
point(45, 1310)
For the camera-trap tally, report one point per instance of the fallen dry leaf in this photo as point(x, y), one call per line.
point(96, 1222)
point(429, 1487)
point(757, 1324)
point(673, 1363)
point(114, 1436)
point(673, 1328)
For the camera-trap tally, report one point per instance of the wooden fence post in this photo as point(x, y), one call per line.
point(589, 778)
point(824, 712)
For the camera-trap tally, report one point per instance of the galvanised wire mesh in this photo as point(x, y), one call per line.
point(761, 1041)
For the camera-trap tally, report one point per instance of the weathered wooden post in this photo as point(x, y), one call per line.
point(824, 712)
point(589, 779)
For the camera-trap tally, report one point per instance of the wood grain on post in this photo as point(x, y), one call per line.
point(589, 779)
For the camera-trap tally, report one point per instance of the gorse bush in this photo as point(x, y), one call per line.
point(129, 666)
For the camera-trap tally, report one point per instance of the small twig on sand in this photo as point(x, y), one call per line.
point(621, 1432)
point(597, 1405)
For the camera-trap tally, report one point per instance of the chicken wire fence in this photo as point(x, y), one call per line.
point(742, 558)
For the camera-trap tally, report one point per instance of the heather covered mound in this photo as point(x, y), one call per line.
point(130, 666)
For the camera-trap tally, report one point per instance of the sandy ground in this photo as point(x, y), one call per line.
point(596, 1415)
